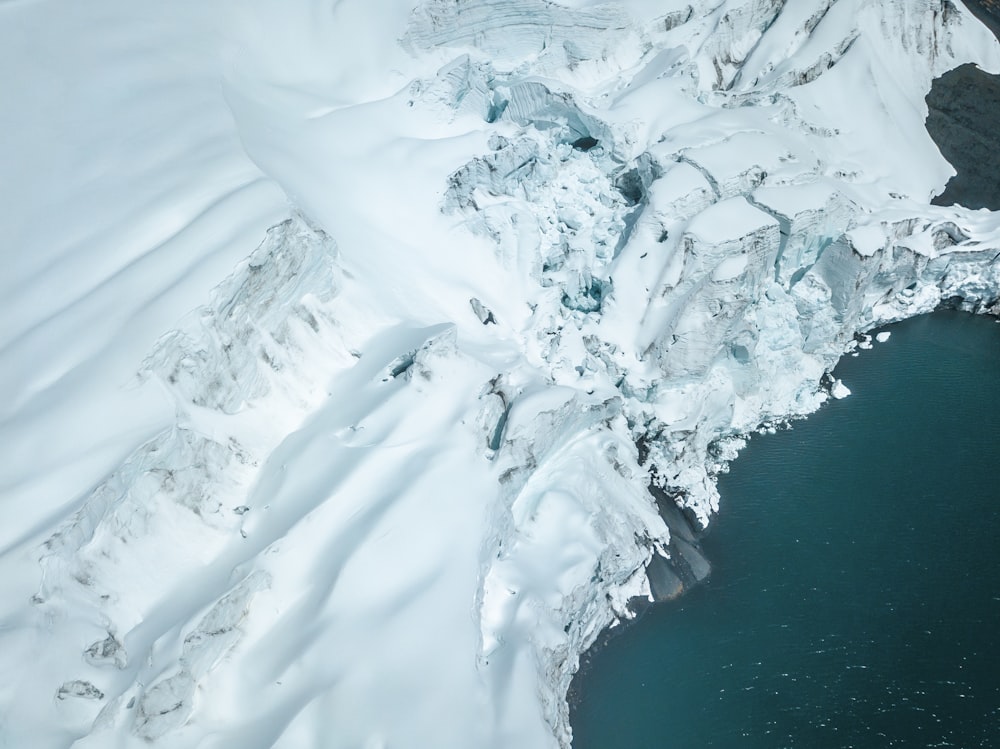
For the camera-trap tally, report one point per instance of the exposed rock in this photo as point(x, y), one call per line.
point(107, 652)
point(964, 106)
point(82, 689)
point(164, 707)
point(664, 583)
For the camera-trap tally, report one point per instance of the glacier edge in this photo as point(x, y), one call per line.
point(410, 461)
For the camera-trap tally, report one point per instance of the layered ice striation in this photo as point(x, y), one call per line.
point(429, 442)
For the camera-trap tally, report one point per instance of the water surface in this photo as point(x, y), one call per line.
point(855, 599)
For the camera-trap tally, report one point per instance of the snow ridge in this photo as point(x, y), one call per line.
point(190, 484)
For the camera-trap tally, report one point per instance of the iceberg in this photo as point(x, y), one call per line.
point(360, 361)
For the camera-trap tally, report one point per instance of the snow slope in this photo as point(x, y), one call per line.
point(341, 343)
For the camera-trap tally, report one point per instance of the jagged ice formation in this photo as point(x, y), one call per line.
point(532, 269)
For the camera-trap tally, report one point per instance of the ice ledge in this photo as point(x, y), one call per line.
point(732, 219)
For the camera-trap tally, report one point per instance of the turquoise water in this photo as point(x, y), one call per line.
point(855, 595)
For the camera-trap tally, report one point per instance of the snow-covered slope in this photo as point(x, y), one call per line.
point(378, 474)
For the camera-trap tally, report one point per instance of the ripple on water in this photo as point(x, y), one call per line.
point(854, 599)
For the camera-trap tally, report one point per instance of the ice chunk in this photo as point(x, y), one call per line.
point(839, 390)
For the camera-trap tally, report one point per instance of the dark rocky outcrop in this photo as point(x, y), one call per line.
point(964, 107)
point(987, 11)
point(686, 566)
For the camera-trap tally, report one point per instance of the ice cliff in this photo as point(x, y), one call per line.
point(533, 271)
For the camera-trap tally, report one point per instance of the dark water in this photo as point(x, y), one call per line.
point(855, 597)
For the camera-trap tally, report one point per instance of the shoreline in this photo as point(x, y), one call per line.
point(641, 659)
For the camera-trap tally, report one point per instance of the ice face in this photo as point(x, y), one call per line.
point(383, 482)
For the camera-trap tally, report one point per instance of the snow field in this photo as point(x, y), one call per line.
point(382, 480)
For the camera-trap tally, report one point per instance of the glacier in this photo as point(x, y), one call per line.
point(359, 361)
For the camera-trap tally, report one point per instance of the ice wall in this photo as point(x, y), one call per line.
point(766, 215)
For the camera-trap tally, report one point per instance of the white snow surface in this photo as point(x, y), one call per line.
point(327, 346)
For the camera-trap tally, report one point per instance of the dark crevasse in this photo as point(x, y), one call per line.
point(855, 595)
